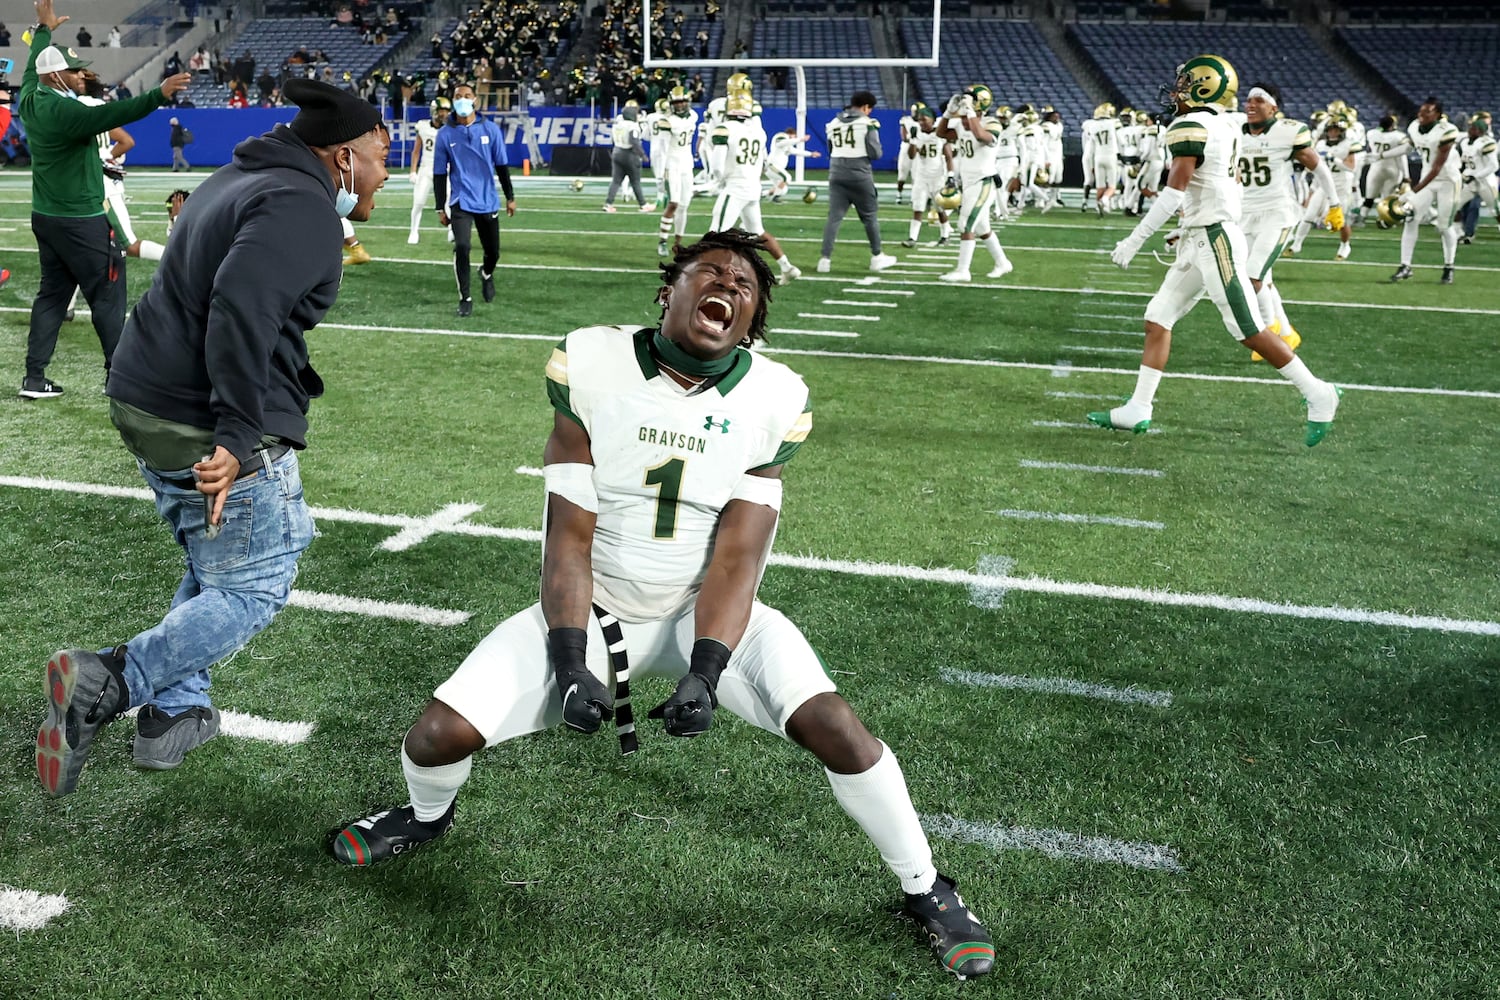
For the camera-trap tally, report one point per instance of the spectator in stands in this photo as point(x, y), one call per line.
point(198, 62)
point(238, 98)
point(244, 67)
point(4, 36)
point(85, 40)
point(113, 39)
point(345, 16)
point(173, 65)
point(272, 98)
point(123, 92)
point(67, 197)
point(264, 84)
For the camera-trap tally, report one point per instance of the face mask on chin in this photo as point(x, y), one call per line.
point(346, 199)
point(463, 106)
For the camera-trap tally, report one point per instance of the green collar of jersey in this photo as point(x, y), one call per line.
point(1251, 129)
point(723, 374)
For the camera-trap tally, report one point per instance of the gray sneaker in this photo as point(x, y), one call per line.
point(84, 694)
point(162, 741)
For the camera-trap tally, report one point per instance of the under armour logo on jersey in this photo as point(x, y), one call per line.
point(711, 423)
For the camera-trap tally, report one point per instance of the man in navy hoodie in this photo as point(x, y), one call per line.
point(209, 390)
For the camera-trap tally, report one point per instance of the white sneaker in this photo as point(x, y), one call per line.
point(1343, 253)
point(1001, 270)
point(412, 240)
point(790, 274)
point(610, 209)
point(824, 265)
point(881, 261)
point(648, 207)
point(954, 276)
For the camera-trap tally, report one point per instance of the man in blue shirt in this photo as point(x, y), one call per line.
point(468, 148)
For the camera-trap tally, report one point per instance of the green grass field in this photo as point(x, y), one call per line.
point(1246, 695)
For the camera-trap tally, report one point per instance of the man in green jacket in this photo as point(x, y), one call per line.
point(73, 235)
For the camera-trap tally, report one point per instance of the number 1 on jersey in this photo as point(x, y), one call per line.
point(667, 478)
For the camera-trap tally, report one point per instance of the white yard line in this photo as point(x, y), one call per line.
point(857, 319)
point(253, 727)
point(801, 332)
point(867, 290)
point(26, 910)
point(528, 470)
point(1083, 395)
point(1049, 515)
point(1088, 349)
point(1073, 425)
point(1107, 333)
point(987, 596)
point(853, 302)
point(1059, 844)
point(896, 571)
point(418, 533)
point(1058, 685)
point(1028, 463)
point(340, 604)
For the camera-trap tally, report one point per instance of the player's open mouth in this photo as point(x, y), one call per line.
point(716, 312)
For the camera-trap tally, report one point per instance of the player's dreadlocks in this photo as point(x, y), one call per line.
point(748, 246)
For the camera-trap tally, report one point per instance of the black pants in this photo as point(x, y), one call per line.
point(463, 223)
point(75, 253)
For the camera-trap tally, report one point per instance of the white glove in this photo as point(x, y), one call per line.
point(1125, 251)
point(966, 106)
point(1171, 238)
point(951, 111)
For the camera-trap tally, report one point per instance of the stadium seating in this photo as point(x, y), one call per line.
point(1418, 11)
point(1138, 58)
point(1011, 57)
point(1463, 78)
point(272, 40)
point(816, 38)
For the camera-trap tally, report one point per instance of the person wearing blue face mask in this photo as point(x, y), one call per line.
point(75, 243)
point(210, 390)
point(468, 149)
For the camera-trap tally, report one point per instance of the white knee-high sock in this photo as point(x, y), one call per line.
point(1450, 244)
point(914, 229)
point(992, 244)
point(965, 255)
point(1296, 372)
point(1279, 308)
point(1266, 299)
point(878, 801)
point(1303, 228)
point(1408, 241)
point(1146, 381)
point(433, 789)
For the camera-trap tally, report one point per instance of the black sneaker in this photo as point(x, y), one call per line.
point(1466, 240)
point(39, 388)
point(942, 241)
point(1447, 277)
point(68, 316)
point(487, 285)
point(958, 939)
point(908, 243)
point(385, 835)
point(162, 741)
point(466, 307)
point(1402, 273)
point(84, 694)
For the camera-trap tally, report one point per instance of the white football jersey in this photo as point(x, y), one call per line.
point(974, 160)
point(665, 461)
point(1477, 157)
point(676, 133)
point(1265, 164)
point(1053, 131)
point(1213, 139)
point(1129, 139)
point(1384, 144)
point(427, 140)
point(1429, 142)
point(929, 165)
point(783, 147)
point(1099, 137)
point(744, 143)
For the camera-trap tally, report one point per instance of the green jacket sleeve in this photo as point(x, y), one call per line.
point(76, 121)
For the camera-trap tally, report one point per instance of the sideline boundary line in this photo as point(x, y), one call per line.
point(895, 571)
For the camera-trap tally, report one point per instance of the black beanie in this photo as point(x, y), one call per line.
point(326, 115)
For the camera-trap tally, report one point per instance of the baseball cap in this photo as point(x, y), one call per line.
point(53, 59)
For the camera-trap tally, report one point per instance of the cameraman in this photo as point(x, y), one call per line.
point(74, 239)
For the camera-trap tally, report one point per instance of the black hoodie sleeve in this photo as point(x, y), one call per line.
point(277, 274)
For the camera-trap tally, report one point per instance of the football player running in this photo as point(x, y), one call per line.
point(975, 136)
point(931, 162)
point(1435, 195)
point(1100, 164)
point(1269, 146)
point(668, 574)
point(679, 125)
point(736, 151)
point(1338, 150)
point(1203, 142)
point(421, 164)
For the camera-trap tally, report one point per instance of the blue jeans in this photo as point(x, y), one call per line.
point(233, 585)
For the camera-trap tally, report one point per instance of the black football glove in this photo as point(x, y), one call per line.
point(690, 710)
point(586, 702)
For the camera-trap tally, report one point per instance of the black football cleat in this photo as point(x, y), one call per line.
point(958, 939)
point(1402, 273)
point(1447, 278)
point(465, 307)
point(385, 835)
point(487, 285)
